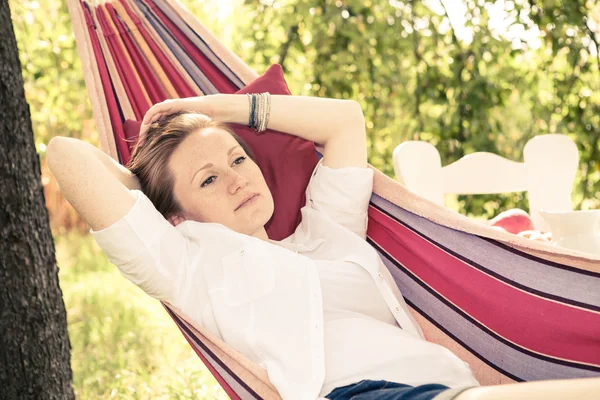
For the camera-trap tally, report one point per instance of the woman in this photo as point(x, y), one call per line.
point(317, 310)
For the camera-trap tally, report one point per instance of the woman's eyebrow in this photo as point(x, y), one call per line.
point(209, 165)
point(232, 149)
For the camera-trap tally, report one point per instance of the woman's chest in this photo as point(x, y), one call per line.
point(254, 288)
point(349, 291)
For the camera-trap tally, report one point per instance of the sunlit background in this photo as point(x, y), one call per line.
point(464, 75)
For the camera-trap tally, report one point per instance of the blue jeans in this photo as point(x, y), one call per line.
point(383, 390)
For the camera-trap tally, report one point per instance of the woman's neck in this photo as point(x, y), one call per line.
point(261, 234)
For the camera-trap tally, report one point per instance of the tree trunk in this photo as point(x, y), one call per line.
point(34, 344)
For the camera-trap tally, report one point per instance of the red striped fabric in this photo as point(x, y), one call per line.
point(183, 89)
point(214, 75)
point(151, 84)
point(230, 392)
point(540, 325)
point(135, 93)
point(109, 93)
point(180, 324)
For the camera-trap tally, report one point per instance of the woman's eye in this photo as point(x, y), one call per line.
point(239, 160)
point(208, 181)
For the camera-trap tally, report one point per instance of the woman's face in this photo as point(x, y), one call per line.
point(216, 181)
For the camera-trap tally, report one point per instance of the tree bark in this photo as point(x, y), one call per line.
point(34, 344)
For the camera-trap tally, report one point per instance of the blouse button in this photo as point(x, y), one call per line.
point(380, 275)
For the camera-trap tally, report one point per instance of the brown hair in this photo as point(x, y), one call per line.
point(150, 161)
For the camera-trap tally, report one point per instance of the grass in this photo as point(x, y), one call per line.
point(124, 345)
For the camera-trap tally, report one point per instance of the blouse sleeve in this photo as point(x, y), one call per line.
point(343, 194)
point(148, 250)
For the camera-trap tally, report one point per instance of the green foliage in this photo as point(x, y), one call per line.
point(481, 88)
point(52, 74)
point(124, 344)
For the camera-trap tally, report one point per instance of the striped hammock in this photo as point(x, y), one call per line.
point(514, 309)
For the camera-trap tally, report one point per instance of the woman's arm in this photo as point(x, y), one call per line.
point(95, 185)
point(337, 125)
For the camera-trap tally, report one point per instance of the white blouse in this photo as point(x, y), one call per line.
point(318, 310)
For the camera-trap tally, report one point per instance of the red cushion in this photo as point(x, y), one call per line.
point(286, 161)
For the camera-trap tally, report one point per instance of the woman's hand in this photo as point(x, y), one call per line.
point(202, 105)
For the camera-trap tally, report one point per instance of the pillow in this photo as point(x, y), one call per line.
point(286, 161)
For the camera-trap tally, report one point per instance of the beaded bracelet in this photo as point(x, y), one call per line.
point(268, 110)
point(249, 110)
point(264, 111)
point(263, 121)
point(251, 120)
point(259, 102)
point(260, 111)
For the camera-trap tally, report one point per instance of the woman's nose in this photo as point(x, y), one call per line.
point(237, 182)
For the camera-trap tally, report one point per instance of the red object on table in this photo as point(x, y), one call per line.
point(513, 221)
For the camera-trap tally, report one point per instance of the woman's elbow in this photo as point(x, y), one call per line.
point(357, 118)
point(356, 110)
point(51, 151)
point(56, 152)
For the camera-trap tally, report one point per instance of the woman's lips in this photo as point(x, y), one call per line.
point(251, 200)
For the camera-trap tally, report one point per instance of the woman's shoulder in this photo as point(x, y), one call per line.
point(348, 188)
point(214, 239)
point(343, 173)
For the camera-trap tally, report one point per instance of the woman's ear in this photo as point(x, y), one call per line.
point(175, 219)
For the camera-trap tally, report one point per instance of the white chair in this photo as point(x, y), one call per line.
point(547, 173)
